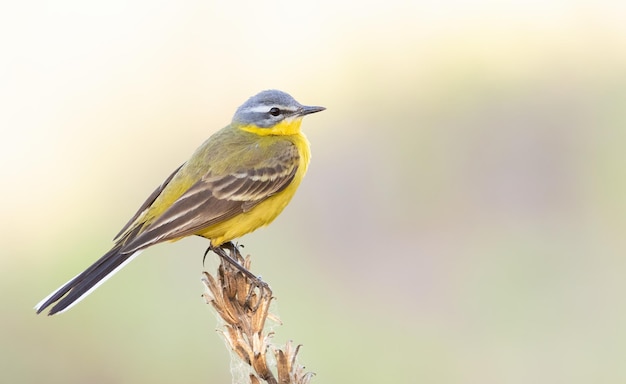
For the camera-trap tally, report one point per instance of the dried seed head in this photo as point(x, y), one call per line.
point(243, 304)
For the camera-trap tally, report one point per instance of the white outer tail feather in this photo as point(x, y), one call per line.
point(81, 297)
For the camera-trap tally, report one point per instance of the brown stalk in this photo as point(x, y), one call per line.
point(243, 305)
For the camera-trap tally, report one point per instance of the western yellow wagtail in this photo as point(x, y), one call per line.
point(238, 180)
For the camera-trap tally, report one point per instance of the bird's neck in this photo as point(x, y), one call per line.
point(286, 127)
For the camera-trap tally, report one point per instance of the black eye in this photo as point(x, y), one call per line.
point(274, 111)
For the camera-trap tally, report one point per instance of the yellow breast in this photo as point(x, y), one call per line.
point(264, 213)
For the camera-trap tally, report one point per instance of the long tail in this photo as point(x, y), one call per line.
point(84, 283)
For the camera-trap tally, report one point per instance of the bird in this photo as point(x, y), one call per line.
point(241, 178)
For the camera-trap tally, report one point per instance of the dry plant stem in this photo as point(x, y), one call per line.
point(244, 307)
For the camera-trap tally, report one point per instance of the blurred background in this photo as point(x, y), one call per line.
point(462, 221)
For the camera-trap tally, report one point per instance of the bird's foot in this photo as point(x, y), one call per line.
point(234, 259)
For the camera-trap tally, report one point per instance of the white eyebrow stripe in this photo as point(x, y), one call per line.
point(266, 108)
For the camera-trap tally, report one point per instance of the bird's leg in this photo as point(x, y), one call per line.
point(232, 260)
point(233, 249)
point(256, 281)
point(221, 252)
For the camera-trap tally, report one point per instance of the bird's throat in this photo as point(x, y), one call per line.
point(286, 127)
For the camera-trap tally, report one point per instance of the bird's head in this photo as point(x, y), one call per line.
point(272, 112)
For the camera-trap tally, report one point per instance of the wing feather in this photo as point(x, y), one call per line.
point(217, 198)
point(146, 205)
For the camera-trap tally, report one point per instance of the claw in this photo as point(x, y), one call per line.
point(264, 289)
point(206, 253)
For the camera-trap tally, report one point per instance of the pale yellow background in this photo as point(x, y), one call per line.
point(463, 220)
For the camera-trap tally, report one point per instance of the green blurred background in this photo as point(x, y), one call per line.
point(463, 219)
